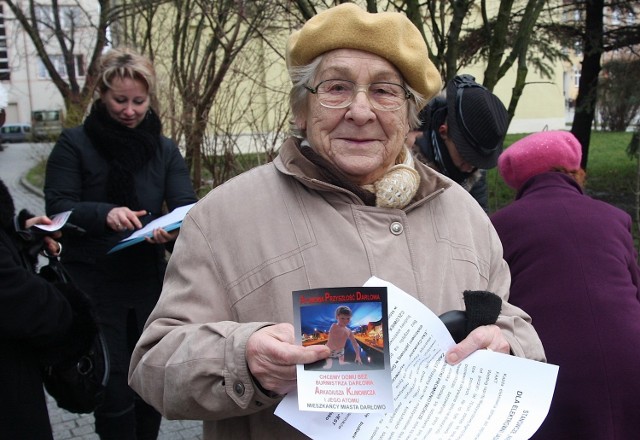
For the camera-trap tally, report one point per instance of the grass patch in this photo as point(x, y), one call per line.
point(500, 195)
point(611, 173)
point(35, 176)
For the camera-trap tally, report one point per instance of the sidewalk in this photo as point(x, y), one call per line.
point(69, 426)
point(15, 161)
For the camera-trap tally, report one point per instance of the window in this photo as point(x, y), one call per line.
point(61, 68)
point(46, 115)
point(5, 72)
point(576, 76)
point(615, 17)
point(70, 17)
point(577, 16)
point(577, 48)
point(631, 18)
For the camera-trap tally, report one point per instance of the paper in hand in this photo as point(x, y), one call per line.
point(487, 396)
point(57, 222)
point(168, 222)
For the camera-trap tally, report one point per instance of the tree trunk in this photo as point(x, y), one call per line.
point(518, 87)
point(587, 90)
point(637, 194)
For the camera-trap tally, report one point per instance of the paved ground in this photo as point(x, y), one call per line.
point(15, 160)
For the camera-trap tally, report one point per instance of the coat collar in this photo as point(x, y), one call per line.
point(291, 162)
point(550, 179)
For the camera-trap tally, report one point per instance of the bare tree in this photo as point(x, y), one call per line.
point(68, 31)
point(137, 22)
point(593, 48)
point(194, 44)
point(599, 37)
point(618, 93)
point(633, 150)
point(245, 135)
point(595, 35)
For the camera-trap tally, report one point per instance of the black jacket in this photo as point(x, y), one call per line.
point(36, 318)
point(437, 156)
point(76, 179)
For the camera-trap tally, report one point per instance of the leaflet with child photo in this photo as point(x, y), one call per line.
point(488, 396)
point(352, 322)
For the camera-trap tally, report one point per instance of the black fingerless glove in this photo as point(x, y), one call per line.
point(482, 308)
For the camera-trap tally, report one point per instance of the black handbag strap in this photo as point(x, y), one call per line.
point(54, 271)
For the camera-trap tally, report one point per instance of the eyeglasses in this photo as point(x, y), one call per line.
point(340, 93)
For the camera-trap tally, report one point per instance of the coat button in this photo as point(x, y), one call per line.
point(238, 387)
point(396, 228)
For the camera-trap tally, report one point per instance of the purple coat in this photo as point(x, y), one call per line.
point(574, 270)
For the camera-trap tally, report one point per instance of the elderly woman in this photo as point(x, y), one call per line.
point(574, 267)
point(342, 201)
point(116, 171)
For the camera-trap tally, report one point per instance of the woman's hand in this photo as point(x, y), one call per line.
point(488, 337)
point(123, 219)
point(40, 220)
point(160, 236)
point(51, 246)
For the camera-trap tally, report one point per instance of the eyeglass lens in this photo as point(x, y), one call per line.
point(337, 93)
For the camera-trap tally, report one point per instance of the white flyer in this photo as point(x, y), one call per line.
point(487, 396)
point(57, 222)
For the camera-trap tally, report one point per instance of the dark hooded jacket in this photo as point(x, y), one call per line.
point(431, 150)
point(36, 317)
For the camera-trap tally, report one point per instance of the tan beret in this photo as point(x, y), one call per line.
point(390, 35)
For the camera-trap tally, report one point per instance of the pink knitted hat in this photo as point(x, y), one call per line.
point(539, 153)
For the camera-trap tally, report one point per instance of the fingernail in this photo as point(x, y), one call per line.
point(452, 358)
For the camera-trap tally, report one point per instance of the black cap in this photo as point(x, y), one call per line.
point(477, 121)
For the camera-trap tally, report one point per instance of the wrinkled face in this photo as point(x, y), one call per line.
point(127, 101)
point(359, 140)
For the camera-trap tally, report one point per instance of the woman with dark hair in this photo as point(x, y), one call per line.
point(117, 172)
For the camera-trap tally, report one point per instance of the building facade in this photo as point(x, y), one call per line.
point(546, 103)
point(22, 71)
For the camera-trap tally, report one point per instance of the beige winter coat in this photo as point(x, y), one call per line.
point(249, 243)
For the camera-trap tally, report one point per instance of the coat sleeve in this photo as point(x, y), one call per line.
point(632, 254)
point(63, 186)
point(514, 322)
point(190, 360)
point(178, 188)
point(34, 312)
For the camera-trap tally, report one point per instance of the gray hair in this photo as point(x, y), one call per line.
point(304, 75)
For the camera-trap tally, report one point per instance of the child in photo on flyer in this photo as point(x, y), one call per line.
point(338, 335)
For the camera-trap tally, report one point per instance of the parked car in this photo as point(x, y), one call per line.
point(15, 133)
point(47, 124)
